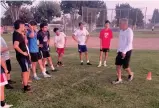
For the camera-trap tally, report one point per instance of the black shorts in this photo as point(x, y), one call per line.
point(35, 56)
point(105, 49)
point(123, 62)
point(45, 54)
point(24, 63)
point(8, 64)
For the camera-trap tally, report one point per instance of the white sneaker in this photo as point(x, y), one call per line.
point(105, 64)
point(117, 82)
point(36, 78)
point(47, 76)
point(99, 65)
point(7, 106)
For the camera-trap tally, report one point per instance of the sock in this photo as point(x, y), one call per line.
point(105, 62)
point(2, 103)
point(87, 61)
point(81, 61)
point(52, 67)
point(100, 62)
point(35, 75)
point(44, 71)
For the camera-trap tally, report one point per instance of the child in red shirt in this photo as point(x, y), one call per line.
point(105, 38)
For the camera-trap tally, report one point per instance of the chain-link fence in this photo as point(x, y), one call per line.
point(95, 17)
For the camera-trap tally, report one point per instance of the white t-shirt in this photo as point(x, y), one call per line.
point(81, 36)
point(4, 55)
point(125, 40)
point(60, 40)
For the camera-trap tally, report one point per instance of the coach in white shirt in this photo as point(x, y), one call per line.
point(124, 51)
point(81, 36)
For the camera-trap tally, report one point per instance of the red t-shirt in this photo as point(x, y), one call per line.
point(106, 36)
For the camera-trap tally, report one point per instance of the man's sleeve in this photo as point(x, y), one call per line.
point(48, 35)
point(129, 41)
point(17, 38)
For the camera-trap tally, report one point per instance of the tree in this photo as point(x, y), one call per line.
point(46, 10)
point(134, 15)
point(13, 7)
point(89, 15)
point(155, 16)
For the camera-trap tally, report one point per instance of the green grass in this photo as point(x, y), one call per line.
point(76, 86)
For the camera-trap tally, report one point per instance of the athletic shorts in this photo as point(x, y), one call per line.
point(45, 54)
point(8, 64)
point(24, 63)
point(60, 51)
point(123, 61)
point(82, 48)
point(35, 56)
point(104, 49)
point(3, 79)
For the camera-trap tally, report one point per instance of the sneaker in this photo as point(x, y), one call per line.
point(11, 82)
point(27, 89)
point(117, 82)
point(81, 63)
point(47, 76)
point(8, 86)
point(89, 63)
point(36, 78)
point(105, 65)
point(99, 65)
point(47, 73)
point(7, 106)
point(55, 70)
point(130, 77)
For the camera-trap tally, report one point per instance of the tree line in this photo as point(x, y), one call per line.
point(48, 10)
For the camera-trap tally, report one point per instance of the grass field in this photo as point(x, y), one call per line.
point(76, 86)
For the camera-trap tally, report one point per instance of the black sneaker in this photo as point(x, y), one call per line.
point(47, 73)
point(81, 63)
point(27, 89)
point(55, 70)
point(11, 82)
point(89, 63)
point(130, 77)
point(8, 86)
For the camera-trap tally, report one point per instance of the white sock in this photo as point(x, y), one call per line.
point(81, 61)
point(44, 71)
point(35, 75)
point(105, 62)
point(100, 62)
point(52, 67)
point(87, 61)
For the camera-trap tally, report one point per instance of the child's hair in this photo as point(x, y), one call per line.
point(33, 23)
point(43, 24)
point(17, 24)
point(107, 21)
point(56, 29)
point(80, 23)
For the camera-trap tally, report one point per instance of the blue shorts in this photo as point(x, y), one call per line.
point(82, 48)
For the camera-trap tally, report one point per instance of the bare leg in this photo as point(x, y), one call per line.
point(51, 63)
point(100, 59)
point(80, 56)
point(8, 76)
point(118, 69)
point(34, 69)
point(2, 93)
point(106, 56)
point(129, 71)
point(86, 55)
point(25, 78)
point(41, 65)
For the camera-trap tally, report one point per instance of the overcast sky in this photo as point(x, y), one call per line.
point(150, 4)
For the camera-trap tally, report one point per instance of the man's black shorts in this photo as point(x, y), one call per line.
point(105, 49)
point(123, 61)
point(23, 62)
point(45, 54)
point(8, 64)
point(35, 56)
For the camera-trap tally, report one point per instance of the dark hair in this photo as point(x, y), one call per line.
point(43, 24)
point(26, 24)
point(17, 24)
point(56, 29)
point(80, 23)
point(33, 23)
point(107, 21)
